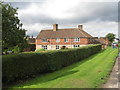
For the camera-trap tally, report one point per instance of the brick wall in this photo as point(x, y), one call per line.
point(70, 41)
point(53, 47)
point(105, 40)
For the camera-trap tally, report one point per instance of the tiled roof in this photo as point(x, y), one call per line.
point(31, 40)
point(63, 33)
point(103, 40)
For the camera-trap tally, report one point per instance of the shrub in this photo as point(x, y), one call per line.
point(16, 49)
point(23, 65)
point(38, 50)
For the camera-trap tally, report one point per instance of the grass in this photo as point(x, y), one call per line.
point(89, 73)
point(119, 46)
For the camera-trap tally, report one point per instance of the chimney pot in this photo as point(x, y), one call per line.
point(80, 27)
point(55, 27)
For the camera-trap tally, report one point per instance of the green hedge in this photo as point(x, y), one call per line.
point(23, 65)
point(38, 50)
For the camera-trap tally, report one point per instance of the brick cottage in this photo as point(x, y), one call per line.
point(68, 38)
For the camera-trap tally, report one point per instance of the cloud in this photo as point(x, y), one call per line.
point(40, 15)
point(61, 11)
point(101, 29)
point(34, 29)
point(86, 12)
point(95, 28)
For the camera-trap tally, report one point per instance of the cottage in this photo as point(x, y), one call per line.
point(68, 38)
point(103, 41)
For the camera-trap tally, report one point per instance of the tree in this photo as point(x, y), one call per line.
point(12, 32)
point(110, 37)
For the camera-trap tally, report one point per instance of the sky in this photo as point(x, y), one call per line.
point(98, 18)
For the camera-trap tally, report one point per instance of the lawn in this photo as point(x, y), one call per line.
point(89, 73)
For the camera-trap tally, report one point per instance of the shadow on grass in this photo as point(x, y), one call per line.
point(64, 74)
point(57, 74)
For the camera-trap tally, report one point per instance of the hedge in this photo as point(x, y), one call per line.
point(23, 65)
point(38, 50)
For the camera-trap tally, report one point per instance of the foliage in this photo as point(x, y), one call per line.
point(23, 65)
point(32, 46)
point(12, 32)
point(110, 37)
point(16, 49)
point(38, 50)
point(89, 73)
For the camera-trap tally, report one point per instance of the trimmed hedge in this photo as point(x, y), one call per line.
point(38, 50)
point(23, 65)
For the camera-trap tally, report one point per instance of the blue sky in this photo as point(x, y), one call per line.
point(98, 18)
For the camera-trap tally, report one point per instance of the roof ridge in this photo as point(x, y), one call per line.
point(86, 33)
point(82, 33)
point(66, 28)
point(74, 32)
point(59, 29)
point(46, 29)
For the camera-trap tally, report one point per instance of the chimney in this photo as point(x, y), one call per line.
point(80, 27)
point(55, 27)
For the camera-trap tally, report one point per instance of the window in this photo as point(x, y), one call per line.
point(44, 40)
point(57, 40)
point(76, 39)
point(75, 46)
point(57, 47)
point(65, 39)
point(44, 47)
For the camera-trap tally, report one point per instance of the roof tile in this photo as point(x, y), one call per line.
point(63, 33)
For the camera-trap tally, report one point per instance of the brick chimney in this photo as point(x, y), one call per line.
point(80, 27)
point(55, 27)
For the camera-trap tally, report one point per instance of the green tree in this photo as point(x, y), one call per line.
point(12, 32)
point(110, 37)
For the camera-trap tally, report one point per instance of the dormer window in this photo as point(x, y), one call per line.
point(44, 40)
point(76, 39)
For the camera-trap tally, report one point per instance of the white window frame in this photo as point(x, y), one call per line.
point(76, 39)
point(57, 47)
point(44, 40)
point(57, 39)
point(44, 47)
point(66, 39)
point(76, 46)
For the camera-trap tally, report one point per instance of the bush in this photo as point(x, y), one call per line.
point(16, 49)
point(23, 65)
point(38, 50)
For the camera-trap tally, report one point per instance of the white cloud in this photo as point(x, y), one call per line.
point(98, 19)
point(101, 29)
point(44, 0)
point(96, 29)
point(59, 8)
point(52, 8)
point(34, 29)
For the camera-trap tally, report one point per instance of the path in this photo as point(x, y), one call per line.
point(113, 80)
point(119, 71)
